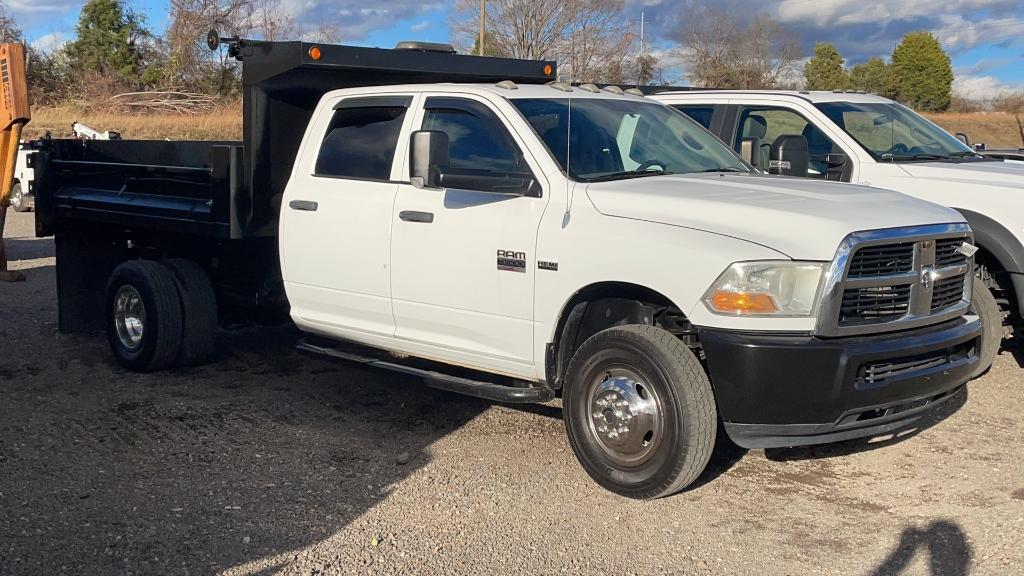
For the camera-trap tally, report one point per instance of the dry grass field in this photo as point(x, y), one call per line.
point(224, 123)
point(996, 129)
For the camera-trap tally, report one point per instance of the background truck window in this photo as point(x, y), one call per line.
point(360, 143)
point(769, 123)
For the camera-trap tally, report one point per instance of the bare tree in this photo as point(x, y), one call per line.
point(585, 36)
point(1013, 104)
point(721, 52)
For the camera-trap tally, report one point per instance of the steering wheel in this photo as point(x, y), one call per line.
point(650, 164)
point(897, 148)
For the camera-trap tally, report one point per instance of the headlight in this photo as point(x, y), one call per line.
point(772, 288)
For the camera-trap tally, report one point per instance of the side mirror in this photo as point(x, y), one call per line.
point(750, 150)
point(428, 156)
point(963, 138)
point(789, 156)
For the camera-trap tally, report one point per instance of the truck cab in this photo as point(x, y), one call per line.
point(502, 235)
point(873, 141)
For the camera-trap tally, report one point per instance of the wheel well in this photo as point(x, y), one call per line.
point(606, 304)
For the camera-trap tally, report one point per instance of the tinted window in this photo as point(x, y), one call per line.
point(701, 114)
point(477, 139)
point(361, 142)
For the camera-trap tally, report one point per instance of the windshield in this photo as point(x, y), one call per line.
point(890, 131)
point(618, 139)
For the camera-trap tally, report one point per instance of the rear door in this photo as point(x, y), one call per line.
point(463, 259)
point(336, 218)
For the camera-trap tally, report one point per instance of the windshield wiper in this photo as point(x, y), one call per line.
point(723, 169)
point(623, 175)
point(923, 157)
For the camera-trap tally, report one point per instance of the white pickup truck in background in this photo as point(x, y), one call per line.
point(518, 241)
point(873, 141)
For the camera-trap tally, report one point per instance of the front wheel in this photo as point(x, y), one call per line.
point(984, 304)
point(639, 411)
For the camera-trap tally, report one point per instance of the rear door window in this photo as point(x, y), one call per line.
point(361, 139)
point(700, 114)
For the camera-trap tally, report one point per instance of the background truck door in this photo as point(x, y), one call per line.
point(463, 261)
point(336, 219)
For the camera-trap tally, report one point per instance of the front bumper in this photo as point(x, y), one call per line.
point(791, 390)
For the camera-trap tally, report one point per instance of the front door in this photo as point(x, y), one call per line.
point(464, 260)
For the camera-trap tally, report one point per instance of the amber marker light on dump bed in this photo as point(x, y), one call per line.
point(314, 52)
point(547, 70)
point(743, 303)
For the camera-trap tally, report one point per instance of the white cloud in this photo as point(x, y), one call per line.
point(983, 87)
point(420, 26)
point(49, 42)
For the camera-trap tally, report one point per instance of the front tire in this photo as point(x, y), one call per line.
point(984, 304)
point(639, 411)
point(143, 316)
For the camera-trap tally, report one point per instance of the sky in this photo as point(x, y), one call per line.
point(985, 38)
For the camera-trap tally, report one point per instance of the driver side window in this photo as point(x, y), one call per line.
point(479, 145)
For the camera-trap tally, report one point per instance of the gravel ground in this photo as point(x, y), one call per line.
point(268, 461)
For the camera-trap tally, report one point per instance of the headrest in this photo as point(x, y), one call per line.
point(755, 126)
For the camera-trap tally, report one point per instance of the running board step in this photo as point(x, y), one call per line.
point(441, 381)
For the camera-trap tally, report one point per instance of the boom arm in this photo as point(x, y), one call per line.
point(14, 114)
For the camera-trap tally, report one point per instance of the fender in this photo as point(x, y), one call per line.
point(996, 240)
point(1003, 246)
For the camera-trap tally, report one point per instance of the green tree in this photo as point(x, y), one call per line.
point(107, 42)
point(923, 71)
point(875, 77)
point(489, 48)
point(825, 71)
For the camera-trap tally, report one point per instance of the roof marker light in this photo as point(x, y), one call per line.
point(614, 90)
point(507, 85)
point(590, 88)
point(562, 86)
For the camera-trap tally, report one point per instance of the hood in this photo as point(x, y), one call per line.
point(1006, 174)
point(804, 219)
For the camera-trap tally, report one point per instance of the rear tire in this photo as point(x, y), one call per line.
point(984, 304)
point(18, 199)
point(614, 383)
point(198, 311)
point(143, 316)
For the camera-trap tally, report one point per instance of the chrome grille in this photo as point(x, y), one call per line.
point(879, 260)
point(876, 302)
point(895, 279)
point(947, 292)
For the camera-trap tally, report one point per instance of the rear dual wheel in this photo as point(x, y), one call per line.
point(160, 315)
point(639, 411)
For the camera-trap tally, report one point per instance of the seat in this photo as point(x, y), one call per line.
point(755, 126)
point(818, 146)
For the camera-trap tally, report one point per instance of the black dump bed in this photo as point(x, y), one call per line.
point(233, 190)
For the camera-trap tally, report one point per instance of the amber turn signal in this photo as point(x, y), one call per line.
point(743, 303)
point(314, 53)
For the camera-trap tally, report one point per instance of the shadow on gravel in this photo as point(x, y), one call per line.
point(945, 543)
point(234, 465)
point(28, 248)
point(820, 451)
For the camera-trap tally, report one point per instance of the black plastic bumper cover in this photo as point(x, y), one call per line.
point(791, 390)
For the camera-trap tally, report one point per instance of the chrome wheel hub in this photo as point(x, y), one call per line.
point(129, 317)
point(625, 416)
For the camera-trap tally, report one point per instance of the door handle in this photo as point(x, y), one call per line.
point(303, 205)
point(415, 216)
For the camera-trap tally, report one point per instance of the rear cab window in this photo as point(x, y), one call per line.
point(362, 137)
point(699, 113)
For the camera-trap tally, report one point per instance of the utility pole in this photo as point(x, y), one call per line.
point(483, 25)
